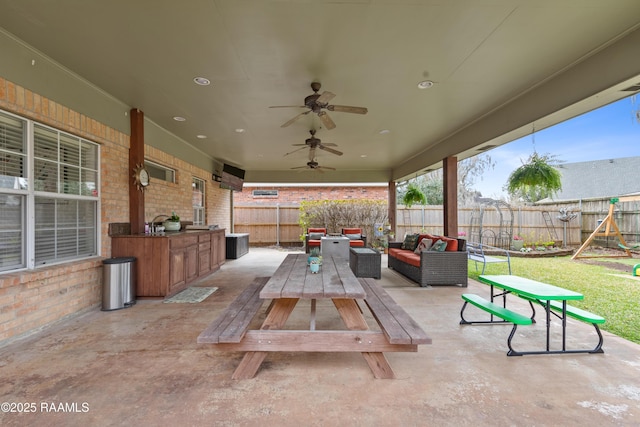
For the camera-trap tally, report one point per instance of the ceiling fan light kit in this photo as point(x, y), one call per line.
point(313, 143)
point(313, 165)
point(318, 103)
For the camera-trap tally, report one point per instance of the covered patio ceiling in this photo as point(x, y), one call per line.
point(497, 67)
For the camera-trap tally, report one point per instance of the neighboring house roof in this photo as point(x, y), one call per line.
point(599, 178)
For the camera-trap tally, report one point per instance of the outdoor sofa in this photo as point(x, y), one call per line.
point(441, 265)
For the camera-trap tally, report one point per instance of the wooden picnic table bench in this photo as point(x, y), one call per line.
point(293, 281)
point(232, 324)
point(397, 325)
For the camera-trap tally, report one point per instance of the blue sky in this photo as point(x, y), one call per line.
point(609, 132)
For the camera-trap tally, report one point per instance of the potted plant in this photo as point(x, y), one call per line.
point(314, 255)
point(413, 195)
point(172, 223)
point(517, 242)
point(535, 179)
point(315, 265)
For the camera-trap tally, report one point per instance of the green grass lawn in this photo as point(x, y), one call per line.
point(615, 298)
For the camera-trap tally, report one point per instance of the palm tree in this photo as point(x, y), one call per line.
point(535, 179)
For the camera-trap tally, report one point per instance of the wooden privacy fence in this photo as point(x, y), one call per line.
point(626, 216)
point(268, 225)
point(277, 224)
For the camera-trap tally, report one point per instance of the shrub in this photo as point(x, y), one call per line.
point(337, 214)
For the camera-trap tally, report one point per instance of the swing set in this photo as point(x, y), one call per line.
point(608, 227)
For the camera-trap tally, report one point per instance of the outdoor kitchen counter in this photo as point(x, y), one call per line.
point(167, 263)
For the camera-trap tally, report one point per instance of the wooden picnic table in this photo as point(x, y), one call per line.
point(292, 282)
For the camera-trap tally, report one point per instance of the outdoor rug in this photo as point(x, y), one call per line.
point(191, 295)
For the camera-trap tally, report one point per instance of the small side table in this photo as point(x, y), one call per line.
point(336, 246)
point(365, 262)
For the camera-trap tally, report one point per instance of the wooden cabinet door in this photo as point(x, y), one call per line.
point(177, 270)
point(191, 259)
point(218, 249)
point(204, 261)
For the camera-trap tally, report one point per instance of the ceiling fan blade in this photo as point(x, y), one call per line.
point(288, 106)
point(299, 145)
point(325, 97)
point(295, 151)
point(326, 120)
point(300, 167)
point(330, 150)
point(330, 144)
point(312, 153)
point(294, 119)
point(347, 109)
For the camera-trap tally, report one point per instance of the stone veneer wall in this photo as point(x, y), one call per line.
point(32, 299)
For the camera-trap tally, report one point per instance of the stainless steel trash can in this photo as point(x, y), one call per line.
point(119, 283)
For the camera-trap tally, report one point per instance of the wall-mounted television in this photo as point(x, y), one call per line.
point(232, 178)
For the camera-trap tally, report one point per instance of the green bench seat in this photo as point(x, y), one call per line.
point(495, 309)
point(576, 313)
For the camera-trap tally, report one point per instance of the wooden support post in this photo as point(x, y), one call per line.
point(392, 207)
point(136, 157)
point(450, 190)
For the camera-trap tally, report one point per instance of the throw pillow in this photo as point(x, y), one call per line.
point(410, 242)
point(315, 236)
point(439, 246)
point(424, 245)
point(354, 236)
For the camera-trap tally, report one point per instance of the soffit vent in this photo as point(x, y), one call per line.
point(633, 88)
point(486, 147)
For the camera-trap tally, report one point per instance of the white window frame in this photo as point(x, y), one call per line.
point(153, 168)
point(30, 194)
point(199, 212)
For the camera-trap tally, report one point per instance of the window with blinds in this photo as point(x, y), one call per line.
point(59, 181)
point(197, 185)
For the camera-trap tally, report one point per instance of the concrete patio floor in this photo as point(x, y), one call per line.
point(142, 366)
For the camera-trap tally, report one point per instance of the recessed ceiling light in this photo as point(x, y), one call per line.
point(425, 84)
point(201, 136)
point(363, 155)
point(179, 119)
point(202, 81)
point(239, 130)
point(383, 131)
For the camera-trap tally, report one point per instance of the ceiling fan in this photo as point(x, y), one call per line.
point(318, 103)
point(313, 165)
point(314, 143)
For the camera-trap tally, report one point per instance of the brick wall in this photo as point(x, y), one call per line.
point(30, 300)
point(295, 194)
point(163, 197)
